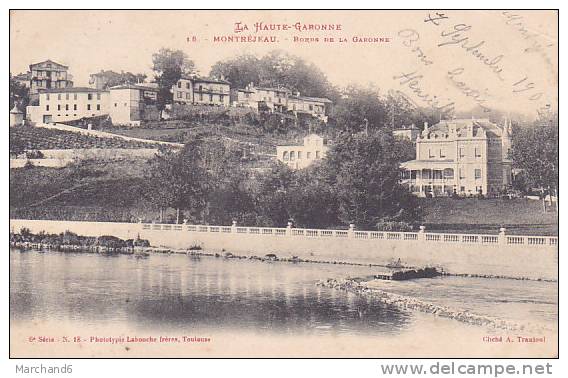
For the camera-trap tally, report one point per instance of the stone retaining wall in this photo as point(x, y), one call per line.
point(458, 255)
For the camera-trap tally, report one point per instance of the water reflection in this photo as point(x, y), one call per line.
point(178, 292)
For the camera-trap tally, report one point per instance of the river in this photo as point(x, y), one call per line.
point(86, 294)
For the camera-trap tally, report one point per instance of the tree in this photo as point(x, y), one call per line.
point(359, 106)
point(168, 66)
point(19, 94)
point(400, 111)
point(312, 201)
point(535, 151)
point(111, 78)
point(271, 195)
point(239, 71)
point(228, 197)
point(178, 180)
point(276, 69)
point(364, 169)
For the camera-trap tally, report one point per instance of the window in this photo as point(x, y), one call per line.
point(188, 85)
point(210, 98)
point(477, 152)
point(89, 96)
point(59, 96)
point(58, 107)
point(308, 155)
point(98, 96)
point(201, 97)
point(477, 174)
point(442, 153)
point(115, 104)
point(448, 173)
point(88, 106)
point(188, 96)
point(292, 155)
point(98, 106)
point(66, 106)
point(285, 156)
point(317, 154)
point(221, 98)
point(47, 96)
point(430, 153)
point(299, 155)
point(180, 95)
point(201, 88)
point(47, 107)
point(74, 96)
point(461, 173)
point(311, 107)
point(67, 96)
point(179, 84)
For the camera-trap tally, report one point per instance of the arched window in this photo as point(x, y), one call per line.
point(292, 155)
point(285, 156)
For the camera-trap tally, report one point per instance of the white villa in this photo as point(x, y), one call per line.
point(460, 156)
point(314, 148)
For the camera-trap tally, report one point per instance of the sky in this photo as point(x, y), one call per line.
point(461, 59)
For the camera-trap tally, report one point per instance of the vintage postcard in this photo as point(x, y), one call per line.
point(283, 183)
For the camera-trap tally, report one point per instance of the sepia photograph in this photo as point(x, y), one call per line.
point(283, 184)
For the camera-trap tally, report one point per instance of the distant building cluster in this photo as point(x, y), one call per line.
point(206, 91)
point(53, 98)
point(281, 100)
point(463, 157)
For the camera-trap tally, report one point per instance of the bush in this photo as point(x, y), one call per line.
point(394, 226)
point(34, 154)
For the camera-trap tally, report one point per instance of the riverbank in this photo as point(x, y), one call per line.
point(360, 286)
point(504, 255)
point(69, 241)
point(197, 252)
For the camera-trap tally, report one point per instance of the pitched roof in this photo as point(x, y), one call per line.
point(315, 99)
point(461, 125)
point(204, 79)
point(273, 89)
point(404, 127)
point(134, 86)
point(107, 72)
point(49, 61)
point(72, 90)
point(22, 76)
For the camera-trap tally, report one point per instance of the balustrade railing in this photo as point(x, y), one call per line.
point(501, 239)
